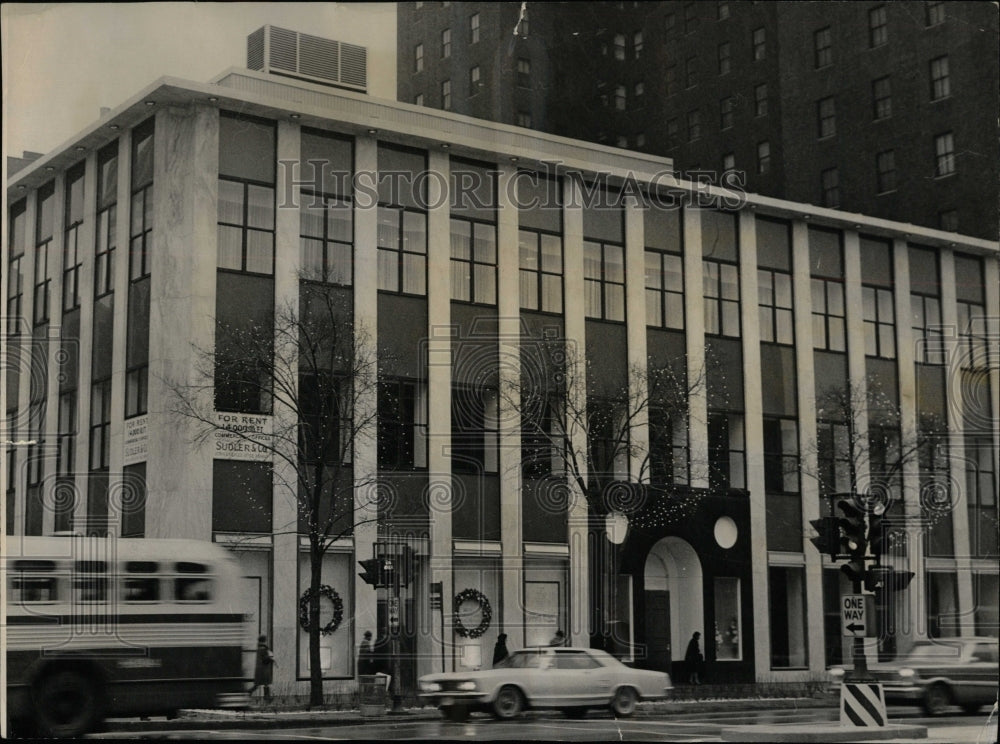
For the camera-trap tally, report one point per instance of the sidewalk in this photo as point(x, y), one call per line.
point(274, 715)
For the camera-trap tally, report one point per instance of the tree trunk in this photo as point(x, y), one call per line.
point(315, 576)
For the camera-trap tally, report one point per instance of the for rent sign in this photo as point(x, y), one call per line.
point(242, 436)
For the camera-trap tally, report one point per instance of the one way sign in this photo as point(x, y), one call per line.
point(852, 615)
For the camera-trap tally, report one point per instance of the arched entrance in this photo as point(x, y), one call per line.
point(674, 606)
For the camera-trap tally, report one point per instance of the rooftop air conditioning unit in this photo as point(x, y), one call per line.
point(279, 51)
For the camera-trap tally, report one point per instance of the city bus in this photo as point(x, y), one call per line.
point(99, 627)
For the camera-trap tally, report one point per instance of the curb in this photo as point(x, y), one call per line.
point(293, 719)
point(822, 733)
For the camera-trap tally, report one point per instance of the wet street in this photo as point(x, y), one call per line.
point(596, 727)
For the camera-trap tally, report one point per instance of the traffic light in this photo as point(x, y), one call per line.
point(877, 533)
point(900, 580)
point(828, 539)
point(853, 540)
point(878, 578)
point(372, 573)
point(852, 529)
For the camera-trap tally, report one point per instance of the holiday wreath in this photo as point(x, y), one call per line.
point(325, 590)
point(484, 607)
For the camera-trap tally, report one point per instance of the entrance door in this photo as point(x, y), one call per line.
point(658, 630)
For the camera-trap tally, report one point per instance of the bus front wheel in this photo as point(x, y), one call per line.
point(66, 704)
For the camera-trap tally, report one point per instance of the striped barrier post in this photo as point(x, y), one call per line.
point(862, 704)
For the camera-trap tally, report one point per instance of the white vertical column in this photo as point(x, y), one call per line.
point(805, 375)
point(366, 327)
point(854, 320)
point(694, 322)
point(991, 276)
point(24, 361)
point(635, 329)
point(50, 430)
point(906, 355)
point(181, 313)
point(957, 455)
point(85, 352)
point(576, 338)
point(509, 332)
point(439, 333)
point(753, 424)
point(119, 331)
point(284, 505)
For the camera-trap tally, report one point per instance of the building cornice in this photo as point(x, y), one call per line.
point(352, 113)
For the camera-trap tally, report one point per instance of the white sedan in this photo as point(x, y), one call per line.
point(570, 679)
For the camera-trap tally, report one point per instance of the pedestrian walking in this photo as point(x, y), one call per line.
point(559, 639)
point(263, 670)
point(500, 651)
point(366, 658)
point(694, 659)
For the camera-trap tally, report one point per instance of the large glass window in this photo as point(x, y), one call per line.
point(17, 235)
point(880, 322)
point(604, 280)
point(925, 306)
point(726, 450)
point(246, 195)
point(787, 617)
point(728, 619)
point(44, 225)
point(828, 315)
point(326, 222)
point(664, 289)
point(473, 261)
point(72, 254)
point(541, 271)
point(100, 425)
point(781, 455)
point(721, 288)
point(402, 222)
point(446, 43)
point(402, 425)
point(107, 221)
point(141, 208)
point(475, 430)
point(774, 290)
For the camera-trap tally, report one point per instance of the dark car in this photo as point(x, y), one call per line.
point(942, 672)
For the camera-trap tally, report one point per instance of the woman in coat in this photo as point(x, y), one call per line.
point(694, 659)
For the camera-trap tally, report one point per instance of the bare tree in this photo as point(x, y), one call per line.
point(315, 371)
point(591, 439)
point(862, 447)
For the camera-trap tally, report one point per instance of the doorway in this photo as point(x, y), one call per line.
point(658, 630)
point(674, 600)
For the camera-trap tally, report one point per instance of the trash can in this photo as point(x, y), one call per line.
point(371, 695)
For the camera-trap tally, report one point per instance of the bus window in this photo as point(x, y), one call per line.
point(140, 589)
point(192, 590)
point(32, 589)
point(91, 589)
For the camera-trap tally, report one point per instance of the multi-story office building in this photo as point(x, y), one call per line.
point(888, 109)
point(137, 252)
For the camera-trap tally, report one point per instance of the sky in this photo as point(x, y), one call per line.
point(63, 61)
